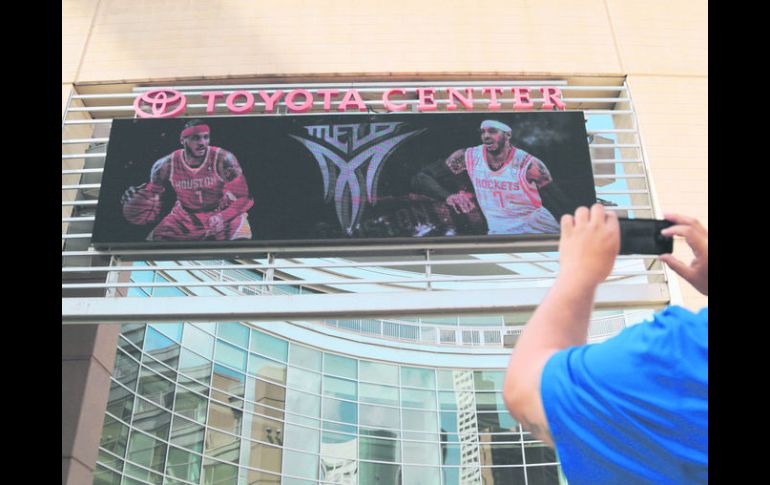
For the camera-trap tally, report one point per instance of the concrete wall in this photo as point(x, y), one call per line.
point(661, 45)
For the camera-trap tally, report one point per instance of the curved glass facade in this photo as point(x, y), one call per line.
point(225, 403)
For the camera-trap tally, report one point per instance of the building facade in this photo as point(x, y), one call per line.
point(214, 368)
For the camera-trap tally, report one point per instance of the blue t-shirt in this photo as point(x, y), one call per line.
point(633, 409)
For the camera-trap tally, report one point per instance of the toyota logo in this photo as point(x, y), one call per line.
point(160, 102)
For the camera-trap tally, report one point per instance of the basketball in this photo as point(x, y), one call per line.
point(143, 208)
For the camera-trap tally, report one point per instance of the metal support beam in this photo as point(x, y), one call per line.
point(347, 305)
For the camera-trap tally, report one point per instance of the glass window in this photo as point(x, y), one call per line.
point(105, 458)
point(378, 447)
point(376, 394)
point(340, 411)
point(126, 370)
point(300, 465)
point(146, 476)
point(114, 436)
point(222, 446)
point(487, 380)
point(264, 410)
point(452, 476)
point(267, 393)
point(187, 434)
point(120, 402)
point(164, 291)
point(267, 369)
point(170, 330)
point(379, 473)
point(377, 372)
point(216, 473)
point(448, 422)
point(508, 475)
point(155, 340)
point(265, 457)
point(151, 419)
point(146, 451)
point(500, 453)
point(497, 422)
point(542, 475)
point(490, 401)
point(230, 355)
point(183, 464)
point(538, 453)
point(130, 349)
point(450, 437)
point(198, 340)
point(380, 416)
point(304, 404)
point(296, 481)
point(340, 366)
point(340, 388)
point(336, 446)
point(261, 477)
point(412, 398)
point(191, 405)
point(193, 366)
point(103, 476)
point(305, 357)
point(342, 428)
point(208, 327)
point(301, 438)
point(421, 453)
point(269, 346)
point(156, 388)
point(265, 429)
point(228, 385)
point(445, 379)
point(303, 380)
point(162, 360)
point(414, 475)
point(235, 333)
point(450, 454)
point(418, 377)
point(447, 400)
point(420, 420)
point(225, 418)
point(133, 332)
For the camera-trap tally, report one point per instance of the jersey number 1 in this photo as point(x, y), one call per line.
point(500, 197)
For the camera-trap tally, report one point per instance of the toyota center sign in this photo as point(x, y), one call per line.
point(167, 103)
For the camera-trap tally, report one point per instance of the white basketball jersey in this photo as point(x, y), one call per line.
point(510, 204)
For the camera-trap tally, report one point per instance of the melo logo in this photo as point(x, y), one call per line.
point(161, 102)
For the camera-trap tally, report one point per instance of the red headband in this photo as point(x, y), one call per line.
point(193, 130)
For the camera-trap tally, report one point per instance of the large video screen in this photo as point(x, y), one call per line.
point(344, 179)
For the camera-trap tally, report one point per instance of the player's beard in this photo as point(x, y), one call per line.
point(192, 155)
point(496, 148)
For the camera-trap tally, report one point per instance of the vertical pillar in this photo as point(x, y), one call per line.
point(88, 355)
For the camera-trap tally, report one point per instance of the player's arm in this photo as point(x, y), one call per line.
point(142, 204)
point(554, 199)
point(427, 182)
point(236, 198)
point(538, 173)
point(159, 175)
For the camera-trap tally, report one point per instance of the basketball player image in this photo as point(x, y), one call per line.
point(212, 196)
point(507, 184)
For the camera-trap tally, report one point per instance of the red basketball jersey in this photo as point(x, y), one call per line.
point(198, 189)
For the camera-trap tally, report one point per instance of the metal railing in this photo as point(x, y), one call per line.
point(599, 330)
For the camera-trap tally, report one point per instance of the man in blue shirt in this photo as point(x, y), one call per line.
point(633, 409)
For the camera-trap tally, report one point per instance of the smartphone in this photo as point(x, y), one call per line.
point(642, 236)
